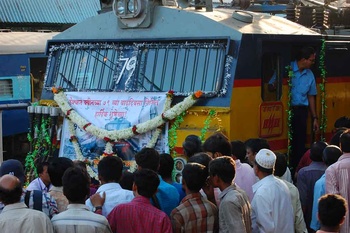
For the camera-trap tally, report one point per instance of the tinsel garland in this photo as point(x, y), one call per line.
point(323, 122)
point(173, 133)
point(207, 121)
point(289, 111)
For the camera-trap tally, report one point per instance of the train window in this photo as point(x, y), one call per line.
point(6, 88)
point(180, 66)
point(271, 77)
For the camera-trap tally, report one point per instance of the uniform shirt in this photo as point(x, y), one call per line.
point(79, 219)
point(38, 184)
point(272, 206)
point(337, 182)
point(303, 84)
point(234, 211)
point(61, 200)
point(115, 195)
point(245, 177)
point(49, 205)
point(137, 216)
point(17, 218)
point(195, 214)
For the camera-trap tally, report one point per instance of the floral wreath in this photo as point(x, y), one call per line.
point(112, 136)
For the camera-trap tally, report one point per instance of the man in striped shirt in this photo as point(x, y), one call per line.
point(195, 213)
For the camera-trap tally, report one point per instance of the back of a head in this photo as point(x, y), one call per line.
point(40, 166)
point(280, 165)
point(201, 158)
point(331, 210)
point(192, 145)
point(147, 182)
point(166, 165)
point(331, 154)
point(345, 141)
point(10, 189)
point(217, 143)
point(335, 140)
point(342, 122)
point(224, 167)
point(256, 144)
point(194, 175)
point(316, 151)
point(110, 169)
point(56, 169)
point(76, 185)
point(238, 150)
point(13, 167)
point(305, 53)
point(148, 158)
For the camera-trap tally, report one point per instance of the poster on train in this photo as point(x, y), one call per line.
point(113, 111)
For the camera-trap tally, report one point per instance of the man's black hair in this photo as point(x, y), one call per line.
point(281, 164)
point(166, 165)
point(305, 53)
point(194, 175)
point(11, 196)
point(238, 150)
point(76, 185)
point(217, 143)
point(331, 210)
point(201, 158)
point(335, 140)
point(316, 151)
point(256, 144)
point(56, 169)
point(110, 169)
point(147, 182)
point(148, 158)
point(345, 141)
point(192, 145)
point(331, 154)
point(40, 166)
point(224, 167)
point(342, 122)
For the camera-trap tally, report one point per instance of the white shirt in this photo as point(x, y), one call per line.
point(38, 184)
point(272, 207)
point(17, 218)
point(77, 218)
point(245, 178)
point(115, 195)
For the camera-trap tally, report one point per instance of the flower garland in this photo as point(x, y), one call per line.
point(173, 132)
point(289, 110)
point(155, 136)
point(116, 135)
point(323, 122)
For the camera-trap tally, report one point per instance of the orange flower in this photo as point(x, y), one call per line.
point(54, 90)
point(198, 94)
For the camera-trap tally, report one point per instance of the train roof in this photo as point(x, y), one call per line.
point(171, 22)
point(24, 42)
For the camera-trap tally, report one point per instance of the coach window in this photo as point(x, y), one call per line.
point(271, 84)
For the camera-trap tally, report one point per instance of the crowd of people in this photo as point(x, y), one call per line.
point(226, 187)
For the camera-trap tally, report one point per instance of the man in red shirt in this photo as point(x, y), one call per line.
point(140, 215)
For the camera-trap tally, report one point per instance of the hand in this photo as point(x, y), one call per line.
point(316, 126)
point(97, 199)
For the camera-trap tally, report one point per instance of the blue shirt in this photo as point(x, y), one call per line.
point(168, 197)
point(179, 190)
point(303, 84)
point(319, 190)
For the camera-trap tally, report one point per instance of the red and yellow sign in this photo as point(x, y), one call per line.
point(271, 119)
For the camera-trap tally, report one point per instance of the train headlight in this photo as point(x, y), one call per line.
point(126, 9)
point(133, 13)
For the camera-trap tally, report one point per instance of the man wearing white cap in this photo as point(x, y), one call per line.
point(271, 204)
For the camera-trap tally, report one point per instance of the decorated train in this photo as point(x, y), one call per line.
point(144, 74)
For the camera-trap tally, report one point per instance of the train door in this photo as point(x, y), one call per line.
point(273, 61)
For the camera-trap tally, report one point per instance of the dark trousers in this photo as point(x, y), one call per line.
point(299, 127)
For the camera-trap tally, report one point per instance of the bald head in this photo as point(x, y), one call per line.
point(10, 189)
